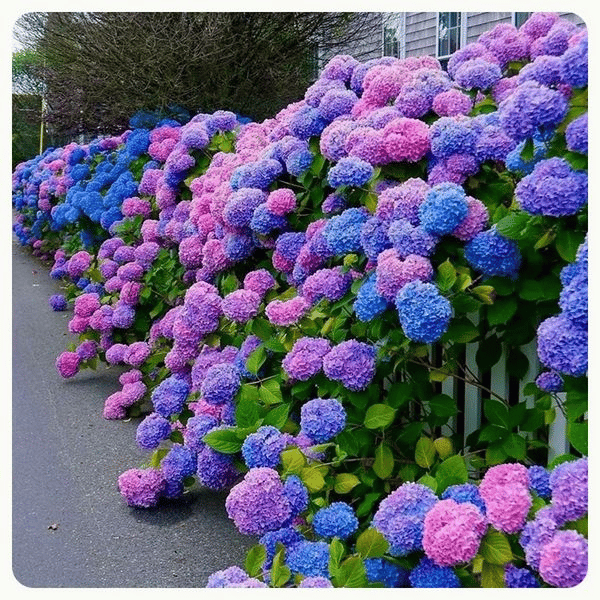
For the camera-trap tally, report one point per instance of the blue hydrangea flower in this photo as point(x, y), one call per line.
point(350, 171)
point(179, 463)
point(429, 575)
point(288, 536)
point(298, 162)
point(221, 383)
point(519, 578)
point(539, 481)
point(553, 189)
point(306, 122)
point(451, 135)
point(263, 448)
point(492, 254)
point(563, 346)
point(374, 237)
point(515, 162)
point(264, 221)
point(336, 520)
point(380, 570)
point(152, 431)
point(343, 232)
point(170, 395)
point(423, 312)
point(296, 494)
point(465, 492)
point(369, 303)
point(196, 428)
point(309, 558)
point(574, 65)
point(322, 419)
point(444, 208)
point(550, 381)
point(576, 135)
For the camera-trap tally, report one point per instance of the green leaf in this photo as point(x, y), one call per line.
point(578, 436)
point(278, 416)
point(312, 479)
point(379, 415)
point(345, 483)
point(488, 353)
point(262, 328)
point(528, 150)
point(513, 224)
point(517, 363)
point(425, 453)
point(351, 573)
point(293, 461)
point(567, 243)
point(336, 553)
point(443, 405)
point(371, 544)
point(256, 360)
point(270, 392)
point(485, 293)
point(157, 457)
point(461, 331)
point(280, 572)
point(491, 433)
point(492, 576)
point(494, 454)
point(452, 471)
point(446, 276)
point(496, 413)
point(495, 548)
point(384, 461)
point(224, 440)
point(246, 412)
point(429, 481)
point(255, 559)
point(501, 311)
point(515, 446)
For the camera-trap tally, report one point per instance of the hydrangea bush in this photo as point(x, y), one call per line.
point(286, 297)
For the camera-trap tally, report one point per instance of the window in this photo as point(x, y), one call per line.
point(393, 35)
point(520, 18)
point(450, 35)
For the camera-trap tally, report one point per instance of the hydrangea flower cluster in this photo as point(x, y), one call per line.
point(269, 236)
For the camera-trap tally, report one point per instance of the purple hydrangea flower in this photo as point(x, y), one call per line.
point(220, 384)
point(141, 487)
point(263, 448)
point(562, 346)
point(58, 302)
point(152, 430)
point(400, 517)
point(322, 419)
point(553, 189)
point(216, 471)
point(564, 560)
point(569, 485)
point(305, 359)
point(576, 135)
point(241, 305)
point(352, 363)
point(258, 503)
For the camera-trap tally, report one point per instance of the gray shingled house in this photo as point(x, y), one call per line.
point(437, 34)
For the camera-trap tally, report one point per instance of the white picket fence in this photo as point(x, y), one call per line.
point(470, 396)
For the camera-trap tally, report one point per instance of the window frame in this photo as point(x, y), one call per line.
point(462, 38)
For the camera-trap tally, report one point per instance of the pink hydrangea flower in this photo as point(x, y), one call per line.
point(452, 532)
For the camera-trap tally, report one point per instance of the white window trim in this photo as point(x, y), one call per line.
point(513, 18)
point(463, 34)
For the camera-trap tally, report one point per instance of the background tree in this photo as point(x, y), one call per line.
point(101, 68)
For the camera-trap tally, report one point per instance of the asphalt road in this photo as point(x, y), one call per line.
point(66, 460)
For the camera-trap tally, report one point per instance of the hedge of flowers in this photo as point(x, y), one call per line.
point(273, 292)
